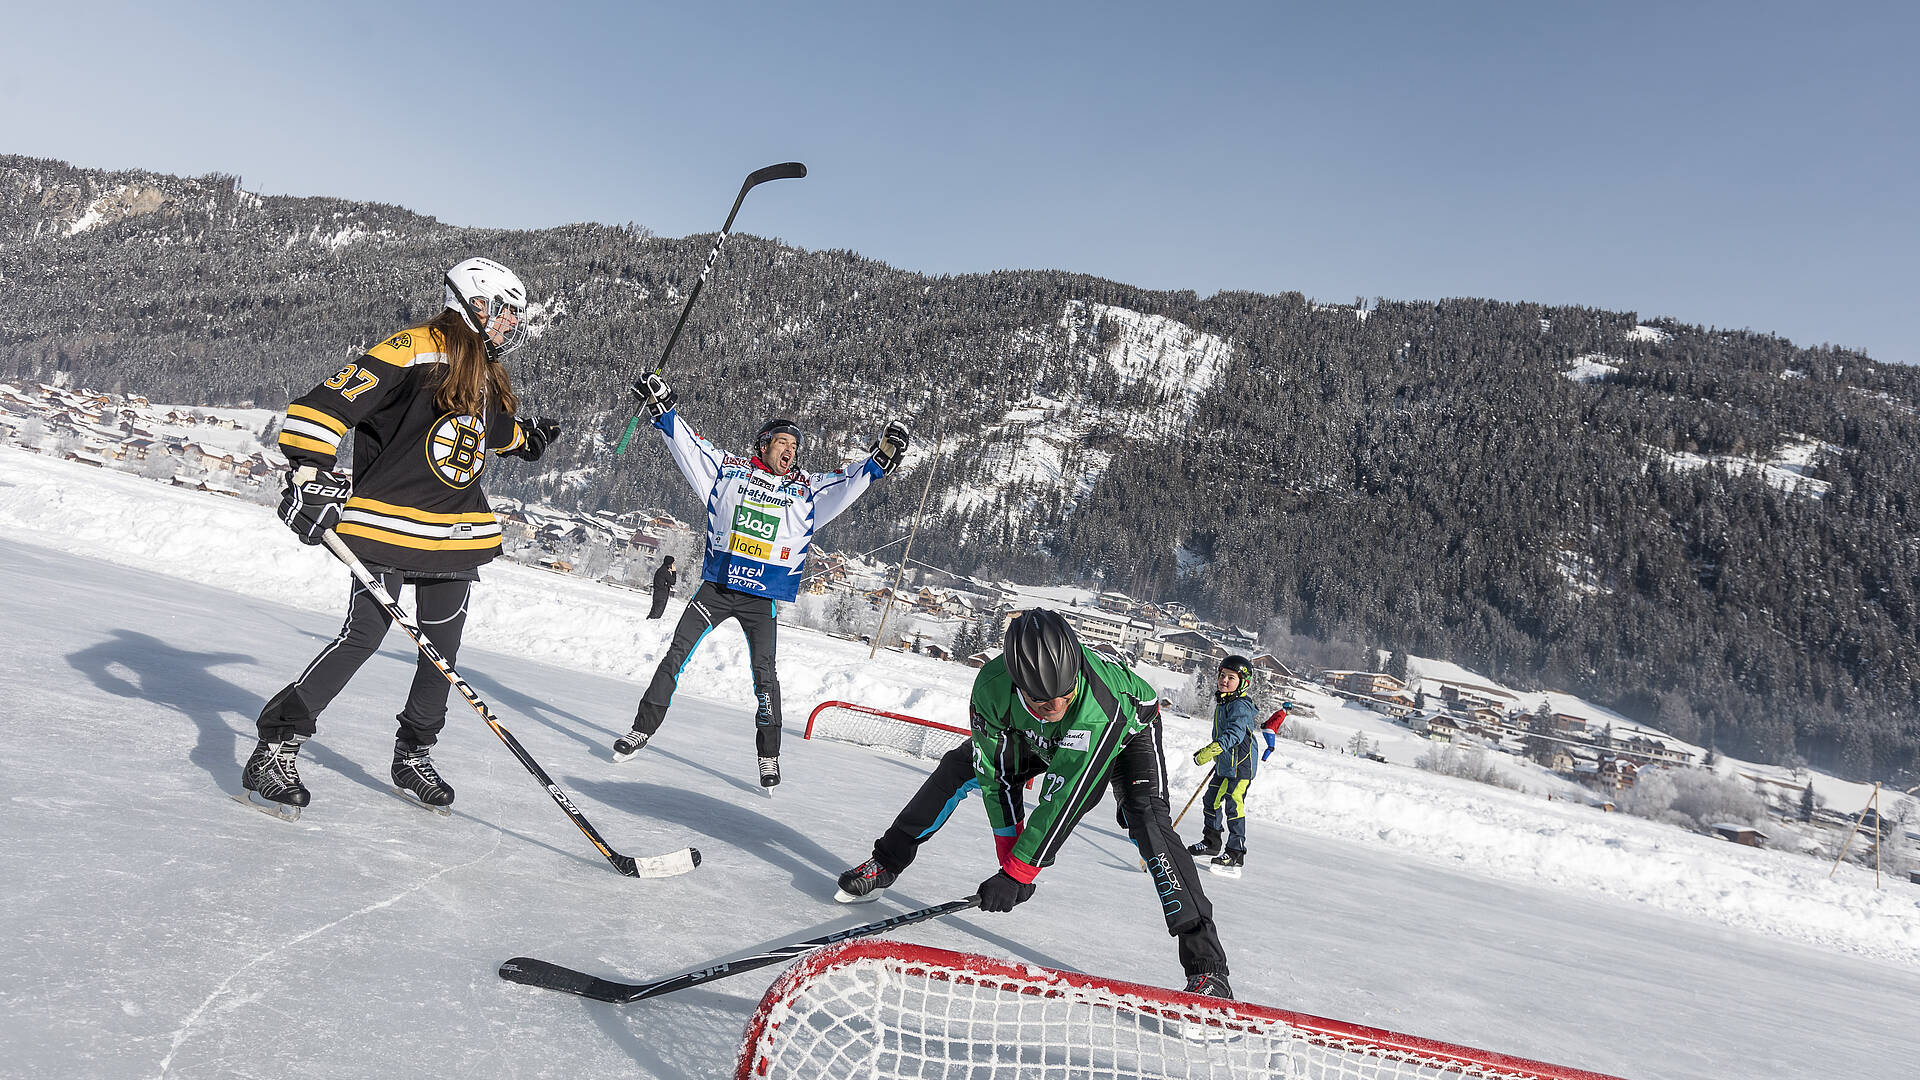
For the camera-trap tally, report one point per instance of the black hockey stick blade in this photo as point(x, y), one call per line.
point(672, 864)
point(530, 972)
point(550, 976)
point(786, 170)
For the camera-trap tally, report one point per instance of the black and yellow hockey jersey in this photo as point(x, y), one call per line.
point(417, 503)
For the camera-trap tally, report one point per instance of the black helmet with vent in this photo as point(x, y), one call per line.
point(1042, 654)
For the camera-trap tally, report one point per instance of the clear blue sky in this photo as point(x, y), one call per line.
point(1732, 164)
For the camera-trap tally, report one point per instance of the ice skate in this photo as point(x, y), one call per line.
point(864, 883)
point(629, 744)
point(416, 780)
point(271, 779)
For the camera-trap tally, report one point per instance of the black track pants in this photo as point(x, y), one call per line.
point(711, 606)
point(949, 785)
point(1139, 780)
point(440, 606)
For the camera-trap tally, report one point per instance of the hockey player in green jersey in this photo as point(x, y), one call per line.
point(1075, 718)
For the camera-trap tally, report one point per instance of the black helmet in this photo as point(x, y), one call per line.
point(776, 426)
point(1042, 654)
point(1242, 667)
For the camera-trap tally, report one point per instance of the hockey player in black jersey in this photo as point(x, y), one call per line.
point(424, 407)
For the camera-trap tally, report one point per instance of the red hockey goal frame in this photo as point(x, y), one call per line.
point(1223, 1019)
point(902, 717)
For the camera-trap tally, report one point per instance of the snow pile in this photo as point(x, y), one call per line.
point(1643, 332)
point(1568, 846)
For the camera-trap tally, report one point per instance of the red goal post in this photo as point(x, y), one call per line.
point(880, 1008)
point(844, 721)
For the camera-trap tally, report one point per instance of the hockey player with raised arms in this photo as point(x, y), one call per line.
point(424, 407)
point(1077, 718)
point(762, 512)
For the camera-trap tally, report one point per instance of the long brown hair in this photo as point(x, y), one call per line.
point(471, 380)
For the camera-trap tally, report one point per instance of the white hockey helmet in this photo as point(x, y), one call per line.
point(482, 291)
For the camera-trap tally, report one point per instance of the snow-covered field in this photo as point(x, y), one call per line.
point(156, 928)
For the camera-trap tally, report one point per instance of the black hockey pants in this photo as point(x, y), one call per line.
point(711, 606)
point(1139, 781)
point(952, 781)
point(440, 607)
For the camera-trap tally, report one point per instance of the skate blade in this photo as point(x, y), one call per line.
point(846, 897)
point(1226, 871)
point(619, 757)
point(414, 800)
point(252, 800)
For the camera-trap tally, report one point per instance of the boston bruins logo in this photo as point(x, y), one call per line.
point(457, 449)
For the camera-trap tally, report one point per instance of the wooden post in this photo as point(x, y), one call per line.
point(1873, 803)
point(907, 553)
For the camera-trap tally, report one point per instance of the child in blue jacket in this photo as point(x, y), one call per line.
point(1235, 719)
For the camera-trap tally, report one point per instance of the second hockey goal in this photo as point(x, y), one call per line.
point(844, 721)
point(877, 1008)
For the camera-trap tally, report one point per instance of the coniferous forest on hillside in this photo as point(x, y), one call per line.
point(1425, 478)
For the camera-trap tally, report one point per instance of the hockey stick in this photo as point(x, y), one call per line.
point(790, 170)
point(531, 972)
point(668, 865)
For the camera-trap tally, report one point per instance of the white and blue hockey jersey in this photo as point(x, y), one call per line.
point(759, 525)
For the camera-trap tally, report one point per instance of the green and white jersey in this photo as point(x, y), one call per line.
point(1110, 704)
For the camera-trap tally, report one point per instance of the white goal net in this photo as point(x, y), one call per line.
point(844, 721)
point(877, 1008)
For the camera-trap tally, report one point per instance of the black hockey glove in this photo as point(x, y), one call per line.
point(891, 446)
point(535, 435)
point(313, 501)
point(1002, 893)
point(656, 397)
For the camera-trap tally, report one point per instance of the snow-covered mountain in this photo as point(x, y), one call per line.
point(1134, 376)
point(1692, 520)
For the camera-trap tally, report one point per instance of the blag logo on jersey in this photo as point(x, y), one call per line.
point(456, 447)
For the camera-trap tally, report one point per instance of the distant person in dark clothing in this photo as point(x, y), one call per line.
point(663, 582)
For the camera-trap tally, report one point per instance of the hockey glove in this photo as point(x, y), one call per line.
point(1206, 753)
point(1002, 893)
point(313, 501)
point(656, 397)
point(534, 435)
point(890, 447)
